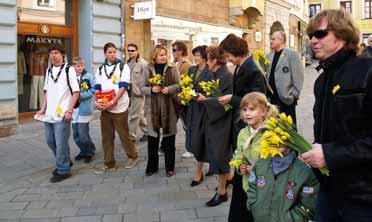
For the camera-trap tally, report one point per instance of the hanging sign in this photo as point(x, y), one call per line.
point(144, 10)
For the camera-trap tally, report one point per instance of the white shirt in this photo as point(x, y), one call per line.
point(113, 83)
point(58, 93)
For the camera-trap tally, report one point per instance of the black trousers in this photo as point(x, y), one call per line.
point(328, 210)
point(238, 207)
point(287, 109)
point(169, 148)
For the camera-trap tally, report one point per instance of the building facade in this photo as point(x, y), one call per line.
point(361, 10)
point(290, 16)
point(29, 27)
point(196, 22)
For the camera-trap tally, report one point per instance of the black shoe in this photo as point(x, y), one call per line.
point(196, 183)
point(216, 200)
point(209, 173)
point(88, 159)
point(143, 138)
point(55, 170)
point(59, 177)
point(79, 157)
point(149, 173)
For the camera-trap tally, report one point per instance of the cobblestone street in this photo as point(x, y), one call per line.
point(26, 164)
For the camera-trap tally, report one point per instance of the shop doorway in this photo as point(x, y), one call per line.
point(40, 25)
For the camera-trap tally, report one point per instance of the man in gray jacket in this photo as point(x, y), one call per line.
point(285, 75)
point(138, 68)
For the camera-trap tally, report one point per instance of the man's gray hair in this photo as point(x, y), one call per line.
point(283, 35)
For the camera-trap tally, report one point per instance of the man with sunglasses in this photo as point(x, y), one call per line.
point(138, 69)
point(367, 52)
point(343, 123)
point(179, 53)
point(285, 75)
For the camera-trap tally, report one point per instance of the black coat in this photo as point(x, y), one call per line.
point(195, 116)
point(248, 79)
point(218, 126)
point(343, 125)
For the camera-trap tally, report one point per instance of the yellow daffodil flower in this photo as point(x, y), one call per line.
point(59, 112)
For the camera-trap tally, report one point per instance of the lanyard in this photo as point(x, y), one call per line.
point(111, 73)
point(59, 73)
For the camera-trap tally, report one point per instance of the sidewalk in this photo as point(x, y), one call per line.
point(26, 164)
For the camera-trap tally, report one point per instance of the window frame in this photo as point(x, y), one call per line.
point(315, 8)
point(369, 15)
point(344, 6)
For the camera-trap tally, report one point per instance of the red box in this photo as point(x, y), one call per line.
point(105, 96)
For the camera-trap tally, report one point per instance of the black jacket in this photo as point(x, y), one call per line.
point(248, 79)
point(343, 125)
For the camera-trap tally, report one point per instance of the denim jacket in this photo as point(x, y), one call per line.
point(86, 94)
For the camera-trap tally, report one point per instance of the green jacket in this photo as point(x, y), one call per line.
point(288, 197)
point(246, 153)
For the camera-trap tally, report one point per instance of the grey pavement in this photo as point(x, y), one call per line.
point(26, 195)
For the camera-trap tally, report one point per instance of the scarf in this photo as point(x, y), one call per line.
point(281, 164)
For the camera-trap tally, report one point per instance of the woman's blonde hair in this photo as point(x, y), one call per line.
point(257, 99)
point(156, 51)
point(341, 23)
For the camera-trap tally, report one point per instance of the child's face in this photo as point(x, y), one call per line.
point(253, 116)
point(79, 68)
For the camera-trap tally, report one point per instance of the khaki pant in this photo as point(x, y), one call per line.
point(37, 92)
point(136, 117)
point(119, 122)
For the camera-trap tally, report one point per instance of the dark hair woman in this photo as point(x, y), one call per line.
point(217, 124)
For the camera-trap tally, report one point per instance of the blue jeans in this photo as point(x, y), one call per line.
point(57, 135)
point(328, 210)
point(83, 139)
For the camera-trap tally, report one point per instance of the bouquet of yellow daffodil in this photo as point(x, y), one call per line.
point(187, 92)
point(260, 56)
point(212, 88)
point(279, 132)
point(156, 79)
point(237, 162)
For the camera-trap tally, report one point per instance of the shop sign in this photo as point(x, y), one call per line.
point(44, 40)
point(144, 10)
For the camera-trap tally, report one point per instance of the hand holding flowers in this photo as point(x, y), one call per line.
point(212, 88)
point(279, 132)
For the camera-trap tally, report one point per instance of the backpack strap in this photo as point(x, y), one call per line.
point(100, 69)
point(67, 78)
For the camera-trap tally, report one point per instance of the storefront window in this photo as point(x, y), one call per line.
point(33, 61)
point(45, 11)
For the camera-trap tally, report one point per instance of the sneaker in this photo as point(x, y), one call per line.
point(187, 155)
point(106, 169)
point(59, 177)
point(131, 163)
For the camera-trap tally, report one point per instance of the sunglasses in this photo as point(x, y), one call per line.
point(131, 50)
point(319, 34)
point(174, 50)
